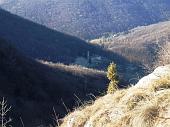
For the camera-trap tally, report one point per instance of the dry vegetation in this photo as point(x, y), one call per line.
point(147, 44)
point(75, 69)
point(132, 107)
point(164, 55)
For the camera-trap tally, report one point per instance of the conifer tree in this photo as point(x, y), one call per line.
point(113, 77)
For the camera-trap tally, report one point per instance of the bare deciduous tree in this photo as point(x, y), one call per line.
point(164, 53)
point(5, 121)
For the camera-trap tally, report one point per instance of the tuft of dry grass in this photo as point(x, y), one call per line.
point(163, 83)
point(146, 116)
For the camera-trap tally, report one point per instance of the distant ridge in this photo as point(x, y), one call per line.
point(89, 19)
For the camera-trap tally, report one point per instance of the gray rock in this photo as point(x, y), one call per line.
point(158, 73)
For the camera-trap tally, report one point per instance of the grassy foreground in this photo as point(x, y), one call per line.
point(131, 107)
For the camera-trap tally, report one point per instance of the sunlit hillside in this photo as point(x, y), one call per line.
point(145, 45)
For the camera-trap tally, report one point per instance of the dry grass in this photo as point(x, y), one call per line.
point(74, 69)
point(164, 54)
point(132, 107)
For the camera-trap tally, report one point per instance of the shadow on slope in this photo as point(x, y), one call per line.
point(33, 88)
point(39, 42)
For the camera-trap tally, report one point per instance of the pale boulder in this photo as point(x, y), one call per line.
point(159, 73)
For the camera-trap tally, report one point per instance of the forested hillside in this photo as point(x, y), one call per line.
point(147, 45)
point(90, 18)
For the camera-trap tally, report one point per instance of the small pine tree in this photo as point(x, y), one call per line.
point(113, 77)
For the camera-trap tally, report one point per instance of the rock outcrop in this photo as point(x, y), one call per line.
point(162, 72)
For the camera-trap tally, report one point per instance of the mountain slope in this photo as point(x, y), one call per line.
point(33, 88)
point(137, 106)
point(90, 19)
point(39, 42)
point(147, 44)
